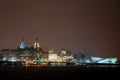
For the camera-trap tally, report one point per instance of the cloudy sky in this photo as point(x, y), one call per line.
point(70, 24)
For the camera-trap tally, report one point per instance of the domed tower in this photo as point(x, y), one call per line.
point(63, 51)
point(22, 44)
point(36, 44)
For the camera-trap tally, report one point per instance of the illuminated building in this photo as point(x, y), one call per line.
point(104, 60)
point(66, 55)
point(36, 44)
point(44, 57)
point(12, 59)
point(63, 52)
point(51, 51)
point(22, 44)
point(52, 57)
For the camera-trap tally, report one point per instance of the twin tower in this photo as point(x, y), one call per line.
point(23, 46)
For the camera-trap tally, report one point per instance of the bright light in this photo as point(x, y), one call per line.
point(52, 57)
point(12, 59)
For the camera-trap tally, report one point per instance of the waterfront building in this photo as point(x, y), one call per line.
point(102, 60)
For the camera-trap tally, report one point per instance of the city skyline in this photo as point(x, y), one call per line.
point(73, 25)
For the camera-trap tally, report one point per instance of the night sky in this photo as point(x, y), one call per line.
point(70, 24)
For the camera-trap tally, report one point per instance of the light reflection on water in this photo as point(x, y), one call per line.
point(58, 65)
point(103, 65)
point(45, 65)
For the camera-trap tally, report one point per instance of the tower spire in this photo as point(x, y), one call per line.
point(36, 39)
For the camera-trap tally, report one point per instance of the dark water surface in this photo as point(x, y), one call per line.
point(59, 72)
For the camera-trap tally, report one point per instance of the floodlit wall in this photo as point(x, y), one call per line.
point(52, 57)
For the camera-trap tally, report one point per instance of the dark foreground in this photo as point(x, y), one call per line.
point(58, 72)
